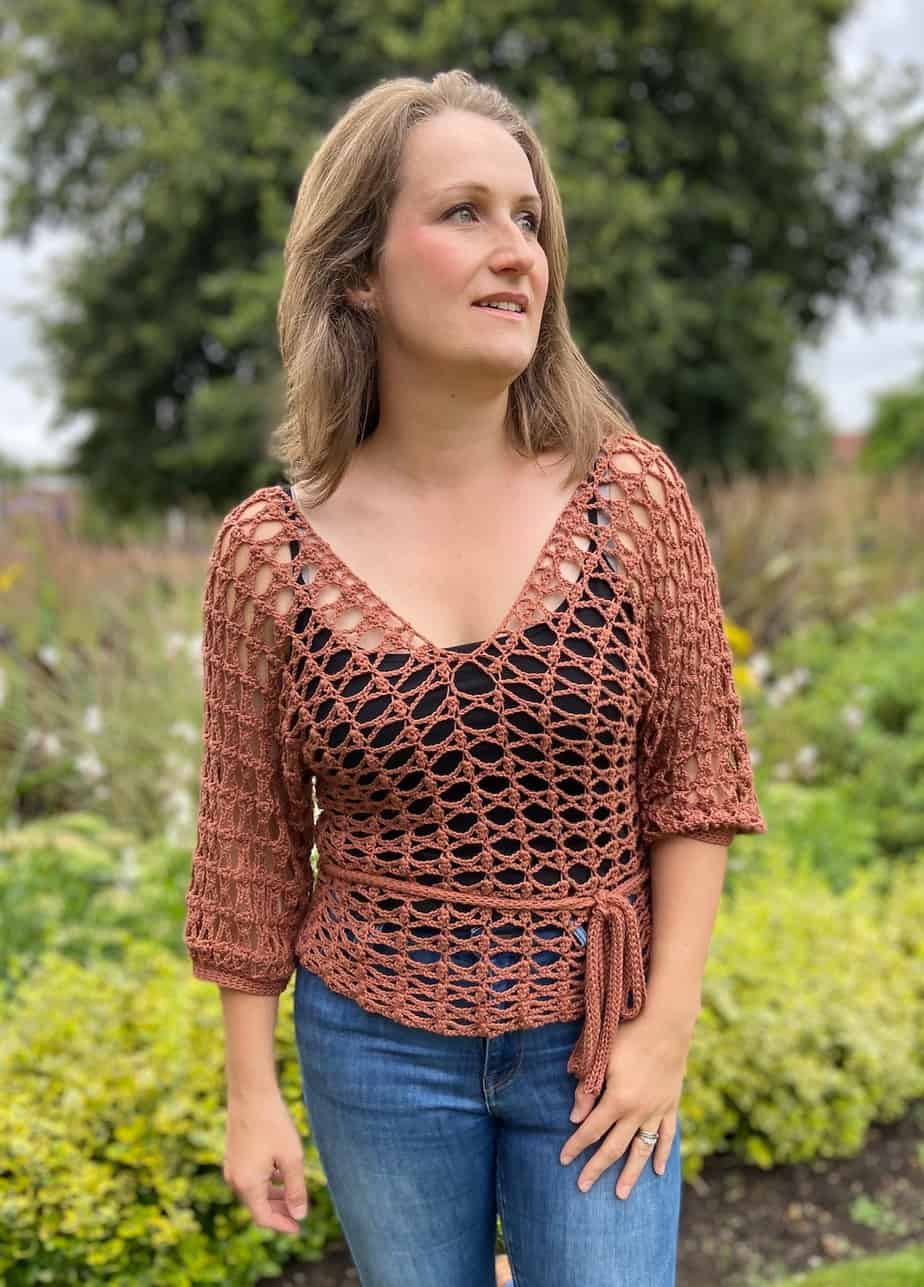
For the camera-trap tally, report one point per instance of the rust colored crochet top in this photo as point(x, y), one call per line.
point(485, 811)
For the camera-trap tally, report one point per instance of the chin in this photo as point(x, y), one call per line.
point(510, 358)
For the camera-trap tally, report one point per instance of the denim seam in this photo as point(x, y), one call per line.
point(499, 1085)
point(502, 1208)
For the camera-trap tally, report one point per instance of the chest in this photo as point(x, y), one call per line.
point(503, 636)
point(455, 573)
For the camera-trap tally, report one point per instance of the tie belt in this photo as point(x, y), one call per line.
point(613, 959)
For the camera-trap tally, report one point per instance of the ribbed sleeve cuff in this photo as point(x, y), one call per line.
point(240, 983)
point(697, 825)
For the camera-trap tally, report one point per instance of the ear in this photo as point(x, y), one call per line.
point(360, 298)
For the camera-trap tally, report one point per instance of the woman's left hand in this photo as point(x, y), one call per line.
point(644, 1081)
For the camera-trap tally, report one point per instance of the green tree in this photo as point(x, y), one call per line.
point(722, 197)
point(896, 436)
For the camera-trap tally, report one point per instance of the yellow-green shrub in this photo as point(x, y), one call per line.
point(812, 1024)
point(74, 882)
point(112, 1119)
point(112, 1122)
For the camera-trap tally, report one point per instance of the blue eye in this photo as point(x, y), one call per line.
point(456, 209)
point(467, 205)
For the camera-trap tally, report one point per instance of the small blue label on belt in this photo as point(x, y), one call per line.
point(580, 934)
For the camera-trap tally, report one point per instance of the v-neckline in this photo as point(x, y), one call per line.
point(585, 485)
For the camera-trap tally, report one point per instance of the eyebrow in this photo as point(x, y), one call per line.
point(530, 198)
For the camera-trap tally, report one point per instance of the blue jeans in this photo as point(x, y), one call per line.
point(424, 1138)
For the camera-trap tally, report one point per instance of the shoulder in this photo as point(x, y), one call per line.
point(249, 567)
point(647, 478)
point(255, 523)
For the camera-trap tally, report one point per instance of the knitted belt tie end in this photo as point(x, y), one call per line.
point(613, 964)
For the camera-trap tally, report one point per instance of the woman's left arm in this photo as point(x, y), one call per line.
point(686, 884)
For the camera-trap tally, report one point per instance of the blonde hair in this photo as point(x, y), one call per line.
point(335, 238)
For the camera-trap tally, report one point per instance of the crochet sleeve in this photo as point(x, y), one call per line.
point(251, 877)
point(694, 768)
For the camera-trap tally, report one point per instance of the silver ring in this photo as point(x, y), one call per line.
point(648, 1137)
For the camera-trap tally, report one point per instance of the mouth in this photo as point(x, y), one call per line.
point(508, 313)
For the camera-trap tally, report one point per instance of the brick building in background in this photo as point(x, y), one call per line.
point(846, 447)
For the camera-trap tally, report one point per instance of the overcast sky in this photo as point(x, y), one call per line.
point(856, 360)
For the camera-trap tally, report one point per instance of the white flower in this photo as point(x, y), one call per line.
point(50, 743)
point(181, 815)
point(178, 766)
point(183, 729)
point(93, 719)
point(90, 765)
point(176, 643)
point(48, 655)
point(852, 716)
point(128, 867)
point(806, 760)
point(781, 691)
point(760, 666)
point(787, 685)
point(755, 756)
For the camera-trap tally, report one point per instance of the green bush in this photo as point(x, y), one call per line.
point(113, 1126)
point(898, 1269)
point(812, 1025)
point(82, 886)
point(842, 710)
point(812, 1028)
point(820, 823)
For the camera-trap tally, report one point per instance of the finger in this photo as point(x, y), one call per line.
point(609, 1152)
point(280, 1206)
point(583, 1103)
point(292, 1170)
point(266, 1216)
point(277, 1196)
point(639, 1155)
point(668, 1129)
point(623, 1136)
point(591, 1129)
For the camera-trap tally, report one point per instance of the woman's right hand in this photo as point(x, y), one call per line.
point(262, 1145)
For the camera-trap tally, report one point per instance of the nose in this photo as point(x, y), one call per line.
point(515, 250)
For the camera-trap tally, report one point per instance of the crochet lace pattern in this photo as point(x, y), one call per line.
point(485, 811)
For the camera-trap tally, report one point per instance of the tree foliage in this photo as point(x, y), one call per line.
point(896, 436)
point(721, 196)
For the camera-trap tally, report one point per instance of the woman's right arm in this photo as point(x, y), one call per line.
point(261, 1134)
point(251, 878)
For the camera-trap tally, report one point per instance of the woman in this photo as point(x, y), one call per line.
point(483, 627)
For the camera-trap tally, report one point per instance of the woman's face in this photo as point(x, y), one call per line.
point(449, 244)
